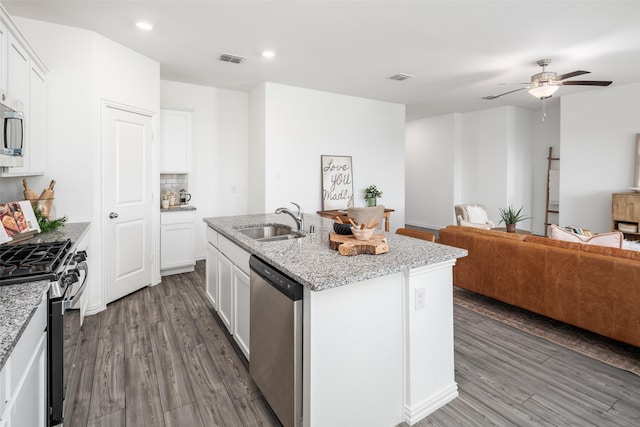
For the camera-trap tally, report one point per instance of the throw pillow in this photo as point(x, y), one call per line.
point(612, 239)
point(632, 245)
point(477, 214)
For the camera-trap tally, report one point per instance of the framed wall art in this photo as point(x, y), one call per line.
point(337, 182)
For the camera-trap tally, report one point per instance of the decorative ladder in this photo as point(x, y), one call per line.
point(550, 159)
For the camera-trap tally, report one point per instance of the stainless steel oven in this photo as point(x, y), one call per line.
point(67, 273)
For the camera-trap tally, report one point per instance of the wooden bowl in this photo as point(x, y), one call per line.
point(364, 234)
point(342, 228)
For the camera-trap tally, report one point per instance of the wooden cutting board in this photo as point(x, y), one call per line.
point(349, 245)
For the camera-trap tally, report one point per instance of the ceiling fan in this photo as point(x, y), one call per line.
point(544, 84)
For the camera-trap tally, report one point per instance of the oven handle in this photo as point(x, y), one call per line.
point(84, 267)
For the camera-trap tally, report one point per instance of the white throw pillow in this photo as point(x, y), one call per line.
point(613, 239)
point(632, 245)
point(477, 214)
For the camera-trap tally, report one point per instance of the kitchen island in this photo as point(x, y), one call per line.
point(377, 329)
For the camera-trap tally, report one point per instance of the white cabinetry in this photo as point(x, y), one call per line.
point(228, 286)
point(23, 379)
point(176, 242)
point(225, 286)
point(175, 140)
point(4, 33)
point(212, 267)
point(36, 161)
point(17, 70)
point(22, 77)
point(241, 298)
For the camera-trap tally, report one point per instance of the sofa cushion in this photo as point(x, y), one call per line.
point(612, 239)
point(552, 242)
point(610, 251)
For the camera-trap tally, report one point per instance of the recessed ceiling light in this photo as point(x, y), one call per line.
point(144, 25)
point(268, 54)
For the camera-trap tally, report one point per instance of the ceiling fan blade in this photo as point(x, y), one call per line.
point(572, 74)
point(502, 94)
point(585, 83)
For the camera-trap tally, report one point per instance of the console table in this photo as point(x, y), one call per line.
point(625, 214)
point(332, 214)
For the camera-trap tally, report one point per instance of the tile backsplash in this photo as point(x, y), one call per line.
point(173, 182)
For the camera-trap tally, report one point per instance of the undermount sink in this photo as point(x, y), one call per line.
point(271, 233)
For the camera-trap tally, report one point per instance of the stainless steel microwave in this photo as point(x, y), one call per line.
point(11, 132)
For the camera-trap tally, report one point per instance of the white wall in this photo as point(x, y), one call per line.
point(302, 124)
point(257, 132)
point(430, 151)
point(519, 181)
point(479, 157)
point(218, 180)
point(84, 69)
point(545, 134)
point(485, 159)
point(597, 152)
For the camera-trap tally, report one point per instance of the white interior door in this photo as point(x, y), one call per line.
point(128, 202)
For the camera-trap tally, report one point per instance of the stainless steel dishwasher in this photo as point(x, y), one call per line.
point(276, 340)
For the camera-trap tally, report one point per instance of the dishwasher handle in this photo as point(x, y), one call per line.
point(284, 284)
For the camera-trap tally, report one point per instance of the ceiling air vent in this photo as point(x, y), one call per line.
point(227, 57)
point(400, 77)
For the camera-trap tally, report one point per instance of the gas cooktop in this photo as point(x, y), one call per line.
point(31, 261)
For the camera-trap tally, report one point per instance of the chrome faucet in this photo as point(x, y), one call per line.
point(296, 217)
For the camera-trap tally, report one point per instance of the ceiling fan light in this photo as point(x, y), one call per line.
point(543, 91)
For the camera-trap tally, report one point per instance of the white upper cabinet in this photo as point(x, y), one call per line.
point(175, 140)
point(17, 70)
point(4, 33)
point(22, 77)
point(37, 125)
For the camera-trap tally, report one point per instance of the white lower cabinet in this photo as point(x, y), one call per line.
point(225, 289)
point(23, 379)
point(29, 408)
point(228, 285)
point(241, 297)
point(176, 242)
point(212, 275)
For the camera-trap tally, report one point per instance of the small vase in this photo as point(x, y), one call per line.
point(511, 228)
point(371, 202)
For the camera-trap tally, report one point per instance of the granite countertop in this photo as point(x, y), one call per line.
point(178, 208)
point(19, 302)
point(74, 231)
point(311, 262)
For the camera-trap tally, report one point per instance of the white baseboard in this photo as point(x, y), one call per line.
point(417, 412)
point(423, 225)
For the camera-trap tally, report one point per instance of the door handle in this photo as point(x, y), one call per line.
point(113, 215)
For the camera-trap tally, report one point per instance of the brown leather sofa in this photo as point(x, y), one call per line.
point(593, 287)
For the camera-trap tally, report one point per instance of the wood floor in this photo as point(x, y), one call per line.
point(159, 357)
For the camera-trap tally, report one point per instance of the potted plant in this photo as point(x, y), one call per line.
point(511, 217)
point(371, 193)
